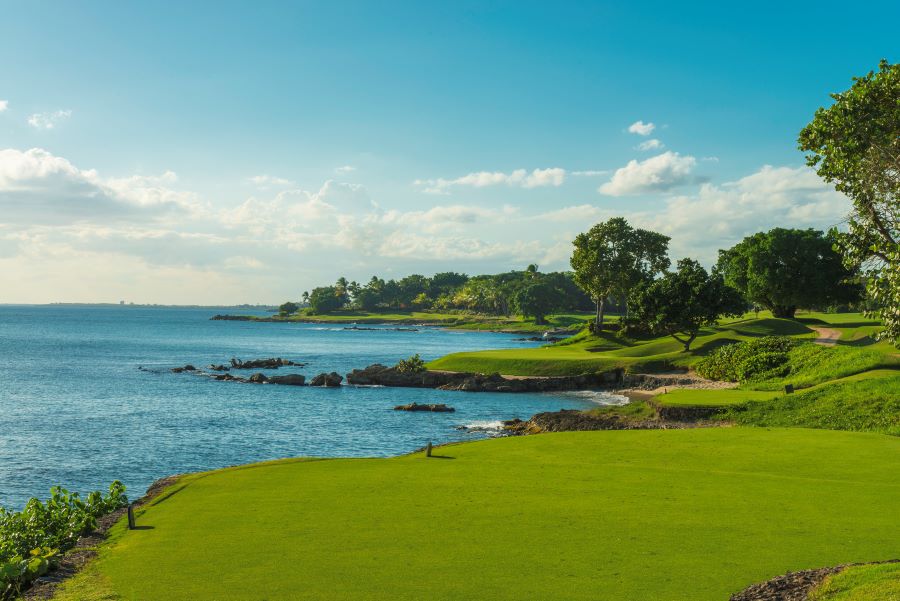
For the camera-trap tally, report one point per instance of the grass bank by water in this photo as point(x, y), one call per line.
point(636, 515)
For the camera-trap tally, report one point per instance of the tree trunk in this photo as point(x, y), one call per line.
point(784, 312)
point(600, 307)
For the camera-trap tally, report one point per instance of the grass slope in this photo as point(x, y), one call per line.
point(586, 353)
point(861, 583)
point(628, 515)
point(718, 398)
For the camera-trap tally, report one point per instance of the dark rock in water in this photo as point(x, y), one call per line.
point(226, 377)
point(187, 367)
point(328, 380)
point(380, 375)
point(288, 380)
point(272, 363)
point(547, 339)
point(258, 378)
point(218, 367)
point(433, 407)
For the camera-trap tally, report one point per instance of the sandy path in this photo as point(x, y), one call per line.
point(827, 336)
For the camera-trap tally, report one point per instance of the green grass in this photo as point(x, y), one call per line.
point(879, 582)
point(457, 320)
point(813, 364)
point(864, 402)
point(632, 515)
point(715, 397)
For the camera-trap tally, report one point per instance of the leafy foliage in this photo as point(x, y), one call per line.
point(31, 539)
point(785, 269)
point(326, 298)
point(681, 302)
point(743, 361)
point(288, 308)
point(538, 300)
point(855, 144)
point(413, 365)
point(613, 257)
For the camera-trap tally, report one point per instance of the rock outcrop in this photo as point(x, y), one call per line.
point(272, 363)
point(187, 367)
point(433, 407)
point(327, 380)
point(573, 420)
point(288, 380)
point(381, 375)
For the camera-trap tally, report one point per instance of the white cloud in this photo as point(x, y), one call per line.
point(4, 104)
point(48, 120)
point(656, 174)
point(345, 169)
point(38, 187)
point(640, 128)
point(591, 173)
point(266, 181)
point(651, 144)
point(520, 178)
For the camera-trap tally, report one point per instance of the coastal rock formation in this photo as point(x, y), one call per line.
point(272, 363)
point(433, 407)
point(573, 420)
point(381, 375)
point(288, 380)
point(219, 367)
point(187, 367)
point(327, 380)
point(258, 378)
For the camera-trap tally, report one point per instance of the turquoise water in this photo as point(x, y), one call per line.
point(76, 410)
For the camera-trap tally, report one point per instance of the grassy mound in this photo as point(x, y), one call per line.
point(708, 398)
point(635, 515)
point(880, 582)
point(865, 402)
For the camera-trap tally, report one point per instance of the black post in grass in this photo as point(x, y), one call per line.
point(788, 389)
point(428, 449)
point(131, 524)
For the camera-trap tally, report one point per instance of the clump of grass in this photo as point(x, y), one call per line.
point(871, 405)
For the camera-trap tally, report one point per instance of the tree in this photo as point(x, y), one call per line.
point(288, 308)
point(613, 257)
point(855, 144)
point(325, 299)
point(680, 303)
point(537, 300)
point(784, 269)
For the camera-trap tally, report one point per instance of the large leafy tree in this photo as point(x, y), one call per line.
point(613, 257)
point(325, 299)
point(682, 302)
point(855, 144)
point(538, 300)
point(786, 269)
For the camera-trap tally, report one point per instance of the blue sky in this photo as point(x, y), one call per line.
point(244, 152)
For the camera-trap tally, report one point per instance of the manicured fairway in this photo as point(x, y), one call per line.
point(715, 397)
point(630, 515)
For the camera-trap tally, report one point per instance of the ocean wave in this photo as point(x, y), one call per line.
point(598, 396)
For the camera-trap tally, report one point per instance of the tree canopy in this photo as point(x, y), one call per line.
point(855, 144)
point(680, 303)
point(613, 257)
point(538, 300)
point(787, 269)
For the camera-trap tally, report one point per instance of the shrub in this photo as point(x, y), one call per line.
point(31, 539)
point(765, 357)
point(410, 366)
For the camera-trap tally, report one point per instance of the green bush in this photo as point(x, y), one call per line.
point(414, 364)
point(765, 357)
point(31, 539)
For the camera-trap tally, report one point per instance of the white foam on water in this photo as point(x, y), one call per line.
point(598, 396)
point(487, 426)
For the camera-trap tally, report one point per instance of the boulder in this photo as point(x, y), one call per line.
point(219, 367)
point(258, 378)
point(433, 407)
point(271, 363)
point(187, 367)
point(288, 380)
point(329, 380)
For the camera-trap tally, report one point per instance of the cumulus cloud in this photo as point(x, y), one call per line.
point(651, 144)
point(48, 120)
point(520, 178)
point(345, 169)
point(38, 187)
point(642, 129)
point(591, 173)
point(4, 104)
point(656, 174)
